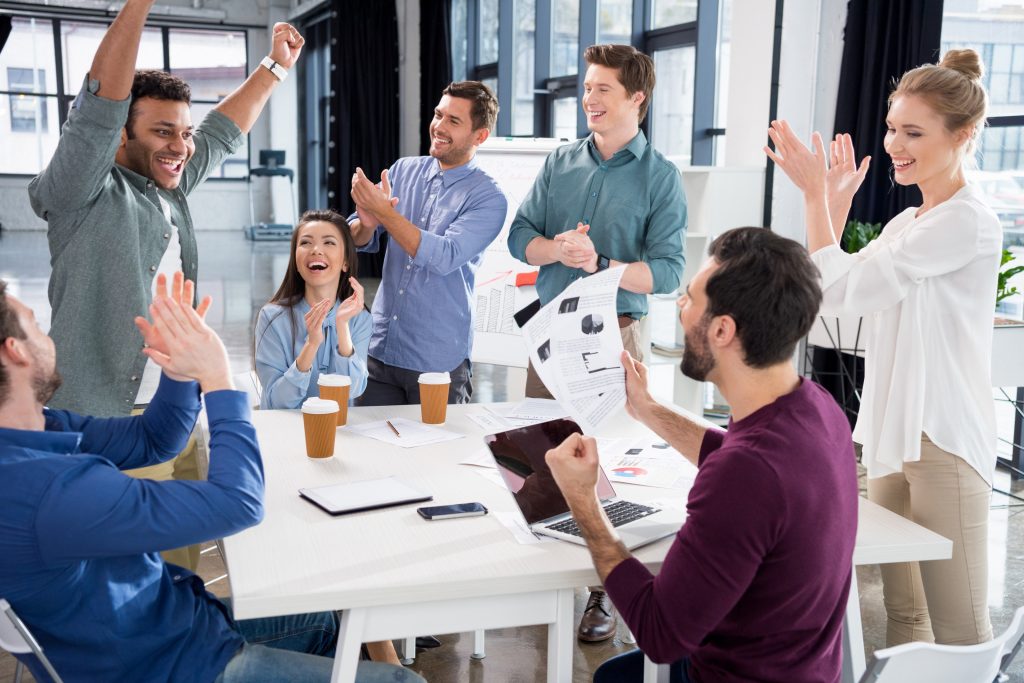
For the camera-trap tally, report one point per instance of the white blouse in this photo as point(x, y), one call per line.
point(926, 288)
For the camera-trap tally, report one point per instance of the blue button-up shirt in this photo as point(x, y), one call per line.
point(423, 310)
point(79, 540)
point(633, 202)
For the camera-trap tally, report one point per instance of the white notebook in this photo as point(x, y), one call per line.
point(356, 496)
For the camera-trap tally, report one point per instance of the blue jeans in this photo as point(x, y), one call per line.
point(299, 649)
point(629, 668)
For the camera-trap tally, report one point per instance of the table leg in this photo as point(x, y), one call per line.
point(350, 641)
point(408, 655)
point(479, 651)
point(853, 636)
point(560, 639)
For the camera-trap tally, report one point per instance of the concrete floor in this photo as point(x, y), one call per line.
point(241, 276)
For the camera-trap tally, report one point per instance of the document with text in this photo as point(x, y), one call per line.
point(575, 346)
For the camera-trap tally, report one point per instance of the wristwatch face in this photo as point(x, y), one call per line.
point(602, 262)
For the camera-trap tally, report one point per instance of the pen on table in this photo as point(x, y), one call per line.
point(393, 429)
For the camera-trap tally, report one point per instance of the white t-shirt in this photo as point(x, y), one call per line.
point(926, 288)
point(169, 265)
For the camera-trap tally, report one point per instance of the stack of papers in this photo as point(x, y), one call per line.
point(410, 433)
point(647, 462)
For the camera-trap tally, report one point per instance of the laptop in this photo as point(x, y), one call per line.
point(519, 454)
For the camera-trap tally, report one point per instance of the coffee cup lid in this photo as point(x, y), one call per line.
point(334, 381)
point(435, 378)
point(319, 406)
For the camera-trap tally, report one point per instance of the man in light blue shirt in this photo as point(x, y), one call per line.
point(608, 200)
point(445, 213)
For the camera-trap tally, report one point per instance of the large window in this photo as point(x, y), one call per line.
point(45, 60)
point(531, 50)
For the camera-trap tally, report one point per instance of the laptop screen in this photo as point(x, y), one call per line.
point(519, 454)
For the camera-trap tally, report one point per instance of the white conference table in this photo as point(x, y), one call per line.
point(397, 576)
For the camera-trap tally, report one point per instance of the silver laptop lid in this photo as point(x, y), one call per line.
point(519, 454)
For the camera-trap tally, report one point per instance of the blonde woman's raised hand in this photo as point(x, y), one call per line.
point(844, 176)
point(807, 169)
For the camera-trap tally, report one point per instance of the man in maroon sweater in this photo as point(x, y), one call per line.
point(755, 584)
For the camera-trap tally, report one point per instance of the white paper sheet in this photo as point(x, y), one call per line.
point(491, 422)
point(575, 345)
point(412, 433)
point(481, 458)
point(647, 462)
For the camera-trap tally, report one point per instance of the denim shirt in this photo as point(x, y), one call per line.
point(280, 336)
point(423, 311)
point(79, 540)
point(107, 233)
point(633, 202)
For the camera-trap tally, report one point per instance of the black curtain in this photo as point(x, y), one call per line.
point(435, 60)
point(6, 25)
point(883, 39)
point(364, 81)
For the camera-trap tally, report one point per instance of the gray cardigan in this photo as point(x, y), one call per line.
point(107, 235)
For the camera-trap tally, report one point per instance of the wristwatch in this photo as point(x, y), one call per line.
point(279, 71)
point(602, 263)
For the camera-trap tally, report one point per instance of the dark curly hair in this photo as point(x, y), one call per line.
point(158, 85)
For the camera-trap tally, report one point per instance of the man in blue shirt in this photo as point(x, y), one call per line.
point(445, 213)
point(79, 540)
point(608, 200)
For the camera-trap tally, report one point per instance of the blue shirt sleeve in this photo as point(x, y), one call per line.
point(158, 435)
point(93, 510)
point(466, 237)
point(284, 385)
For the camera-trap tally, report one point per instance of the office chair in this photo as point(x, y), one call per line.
point(930, 663)
point(16, 638)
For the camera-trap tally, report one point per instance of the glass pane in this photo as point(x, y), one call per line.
point(459, 40)
point(995, 30)
point(488, 31)
point(565, 118)
point(672, 105)
point(491, 83)
point(615, 21)
point(236, 165)
point(29, 129)
point(79, 42)
point(722, 77)
point(523, 77)
point(565, 42)
point(211, 62)
point(672, 12)
point(29, 55)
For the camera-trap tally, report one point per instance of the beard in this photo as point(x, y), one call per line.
point(45, 385)
point(697, 359)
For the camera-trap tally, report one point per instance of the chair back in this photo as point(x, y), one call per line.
point(249, 382)
point(16, 638)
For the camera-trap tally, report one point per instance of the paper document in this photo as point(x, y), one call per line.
point(481, 458)
point(575, 346)
point(647, 462)
point(410, 433)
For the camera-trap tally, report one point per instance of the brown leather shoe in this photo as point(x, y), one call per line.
point(598, 621)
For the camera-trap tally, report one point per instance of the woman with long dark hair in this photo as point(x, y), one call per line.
point(316, 323)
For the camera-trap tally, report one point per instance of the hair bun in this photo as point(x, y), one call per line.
point(967, 62)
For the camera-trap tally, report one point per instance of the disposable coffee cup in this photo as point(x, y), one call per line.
point(336, 388)
point(319, 420)
point(434, 397)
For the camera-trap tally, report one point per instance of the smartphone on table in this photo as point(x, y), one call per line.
point(452, 511)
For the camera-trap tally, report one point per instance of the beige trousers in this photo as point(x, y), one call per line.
point(630, 342)
point(945, 601)
point(184, 467)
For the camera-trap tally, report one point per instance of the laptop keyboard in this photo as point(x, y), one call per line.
point(620, 512)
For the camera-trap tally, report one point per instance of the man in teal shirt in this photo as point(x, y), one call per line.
point(608, 200)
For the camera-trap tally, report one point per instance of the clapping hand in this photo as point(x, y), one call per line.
point(576, 250)
point(844, 176)
point(371, 199)
point(314, 320)
point(808, 170)
point(182, 292)
point(286, 44)
point(350, 307)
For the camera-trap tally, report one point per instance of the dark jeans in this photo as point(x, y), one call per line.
point(392, 386)
point(629, 668)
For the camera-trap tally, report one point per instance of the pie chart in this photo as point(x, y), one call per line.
point(629, 472)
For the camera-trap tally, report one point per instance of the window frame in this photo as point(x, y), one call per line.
point(64, 98)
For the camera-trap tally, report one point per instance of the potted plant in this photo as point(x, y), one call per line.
point(1004, 289)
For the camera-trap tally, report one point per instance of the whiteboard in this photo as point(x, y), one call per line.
point(514, 163)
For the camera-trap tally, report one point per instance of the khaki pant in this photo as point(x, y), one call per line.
point(630, 342)
point(184, 467)
point(941, 600)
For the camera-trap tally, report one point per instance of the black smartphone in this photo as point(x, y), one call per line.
point(452, 511)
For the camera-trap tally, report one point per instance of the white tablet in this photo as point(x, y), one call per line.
point(356, 496)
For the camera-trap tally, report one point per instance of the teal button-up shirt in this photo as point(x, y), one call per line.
point(633, 202)
point(107, 234)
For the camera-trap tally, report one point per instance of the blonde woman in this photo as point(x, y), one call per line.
point(926, 289)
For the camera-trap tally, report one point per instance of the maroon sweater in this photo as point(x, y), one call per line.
point(754, 587)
